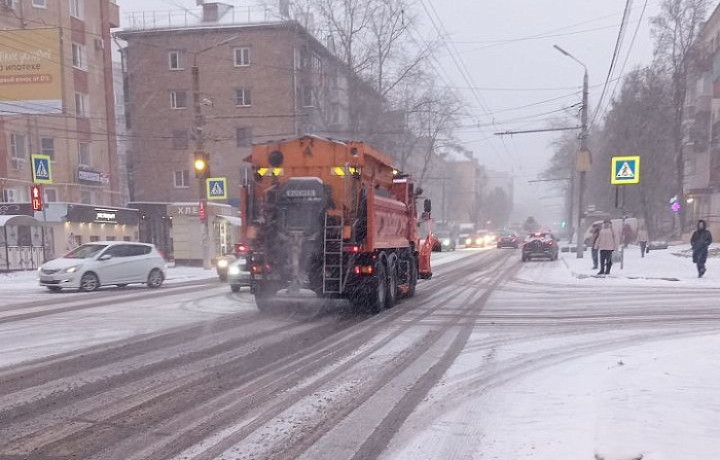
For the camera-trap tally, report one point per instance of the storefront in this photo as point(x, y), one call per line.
point(71, 225)
point(187, 231)
point(155, 226)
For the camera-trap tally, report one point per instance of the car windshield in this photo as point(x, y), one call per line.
point(85, 251)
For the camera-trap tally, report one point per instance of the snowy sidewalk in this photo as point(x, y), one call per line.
point(660, 267)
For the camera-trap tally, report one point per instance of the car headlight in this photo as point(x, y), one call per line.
point(222, 263)
point(446, 242)
point(72, 269)
point(234, 270)
point(479, 241)
point(468, 241)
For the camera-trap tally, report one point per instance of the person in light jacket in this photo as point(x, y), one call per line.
point(701, 240)
point(606, 243)
point(642, 238)
point(594, 250)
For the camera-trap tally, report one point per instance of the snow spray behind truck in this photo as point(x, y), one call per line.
point(334, 218)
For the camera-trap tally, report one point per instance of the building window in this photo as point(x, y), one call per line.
point(86, 197)
point(180, 139)
point(39, 4)
point(242, 57)
point(81, 105)
point(182, 179)
point(79, 60)
point(51, 195)
point(308, 96)
point(18, 150)
point(47, 147)
point(14, 195)
point(242, 97)
point(94, 238)
point(243, 136)
point(84, 156)
point(176, 60)
point(76, 8)
point(178, 99)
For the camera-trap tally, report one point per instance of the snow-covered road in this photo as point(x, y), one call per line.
point(493, 359)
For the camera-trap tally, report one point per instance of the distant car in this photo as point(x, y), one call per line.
point(540, 245)
point(104, 263)
point(239, 272)
point(655, 245)
point(508, 240)
point(446, 241)
point(480, 240)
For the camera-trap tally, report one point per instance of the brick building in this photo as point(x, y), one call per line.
point(62, 46)
point(258, 81)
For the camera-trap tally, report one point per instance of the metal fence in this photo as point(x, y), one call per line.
point(14, 258)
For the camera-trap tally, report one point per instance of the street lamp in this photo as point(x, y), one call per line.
point(583, 160)
point(202, 161)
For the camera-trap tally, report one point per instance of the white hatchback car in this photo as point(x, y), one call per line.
point(104, 263)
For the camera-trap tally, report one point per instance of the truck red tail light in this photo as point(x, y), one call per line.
point(352, 248)
point(363, 269)
point(241, 248)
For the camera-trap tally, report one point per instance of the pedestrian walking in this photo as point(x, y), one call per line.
point(642, 238)
point(594, 251)
point(700, 242)
point(606, 243)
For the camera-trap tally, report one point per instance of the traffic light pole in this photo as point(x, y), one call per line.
point(199, 148)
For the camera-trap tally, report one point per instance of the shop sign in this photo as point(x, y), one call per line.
point(93, 177)
point(184, 210)
point(106, 216)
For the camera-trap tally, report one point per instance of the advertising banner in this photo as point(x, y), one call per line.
point(30, 71)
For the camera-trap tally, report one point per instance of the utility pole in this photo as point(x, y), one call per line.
point(198, 123)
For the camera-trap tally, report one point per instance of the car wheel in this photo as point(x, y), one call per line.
point(391, 285)
point(89, 282)
point(155, 278)
point(235, 288)
point(54, 288)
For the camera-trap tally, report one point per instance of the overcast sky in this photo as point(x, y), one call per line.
point(507, 48)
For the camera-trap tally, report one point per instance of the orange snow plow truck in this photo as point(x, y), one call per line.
point(334, 218)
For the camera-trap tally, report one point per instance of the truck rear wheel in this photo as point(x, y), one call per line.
point(264, 297)
point(372, 296)
point(391, 284)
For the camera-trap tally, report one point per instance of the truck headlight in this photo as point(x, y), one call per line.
point(446, 242)
point(479, 241)
point(234, 270)
point(222, 263)
point(468, 241)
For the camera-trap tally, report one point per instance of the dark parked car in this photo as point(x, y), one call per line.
point(540, 245)
point(446, 241)
point(508, 240)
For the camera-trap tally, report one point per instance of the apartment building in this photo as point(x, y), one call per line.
point(56, 93)
point(258, 81)
point(702, 131)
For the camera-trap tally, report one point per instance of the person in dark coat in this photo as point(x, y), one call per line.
point(700, 241)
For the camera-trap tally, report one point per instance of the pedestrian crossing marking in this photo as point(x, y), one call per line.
point(216, 188)
point(625, 170)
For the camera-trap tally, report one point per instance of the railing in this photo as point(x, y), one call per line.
point(170, 19)
point(13, 258)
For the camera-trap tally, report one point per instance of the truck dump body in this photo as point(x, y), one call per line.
point(322, 213)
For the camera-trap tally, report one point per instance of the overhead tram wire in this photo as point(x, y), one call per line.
point(457, 60)
point(627, 58)
point(613, 61)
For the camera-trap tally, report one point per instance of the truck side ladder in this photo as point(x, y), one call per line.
point(333, 255)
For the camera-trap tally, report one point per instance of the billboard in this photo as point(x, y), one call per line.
point(30, 71)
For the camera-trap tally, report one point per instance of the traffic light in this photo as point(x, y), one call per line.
point(37, 200)
point(202, 165)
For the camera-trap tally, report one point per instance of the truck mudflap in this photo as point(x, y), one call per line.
point(424, 268)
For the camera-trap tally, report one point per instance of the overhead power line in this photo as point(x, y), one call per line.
point(613, 60)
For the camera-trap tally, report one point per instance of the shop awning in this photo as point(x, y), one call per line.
point(19, 220)
point(232, 220)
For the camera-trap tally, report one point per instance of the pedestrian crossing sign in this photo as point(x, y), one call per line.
point(41, 172)
point(625, 170)
point(216, 188)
